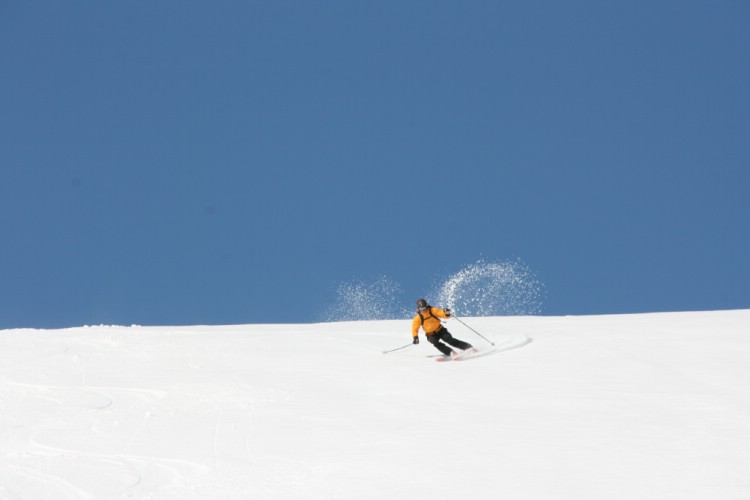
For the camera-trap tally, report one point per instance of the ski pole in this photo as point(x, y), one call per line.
point(398, 348)
point(470, 328)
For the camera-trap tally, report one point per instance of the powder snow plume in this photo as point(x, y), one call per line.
point(480, 289)
point(361, 301)
point(492, 289)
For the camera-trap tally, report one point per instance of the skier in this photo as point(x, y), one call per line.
point(428, 318)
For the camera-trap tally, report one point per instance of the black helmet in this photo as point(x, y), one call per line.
point(422, 304)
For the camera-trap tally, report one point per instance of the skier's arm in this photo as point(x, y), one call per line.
point(441, 313)
point(415, 324)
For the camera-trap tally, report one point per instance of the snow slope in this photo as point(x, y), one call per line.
point(652, 406)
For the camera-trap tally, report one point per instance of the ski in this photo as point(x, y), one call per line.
point(458, 357)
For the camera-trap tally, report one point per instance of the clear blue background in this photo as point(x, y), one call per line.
point(186, 162)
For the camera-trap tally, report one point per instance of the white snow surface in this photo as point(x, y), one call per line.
point(645, 406)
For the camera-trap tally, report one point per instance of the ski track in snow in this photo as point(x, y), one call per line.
point(316, 411)
point(106, 429)
point(88, 412)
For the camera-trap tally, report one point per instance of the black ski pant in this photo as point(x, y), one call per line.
point(444, 335)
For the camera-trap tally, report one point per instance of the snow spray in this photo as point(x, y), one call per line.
point(480, 289)
point(492, 289)
point(361, 301)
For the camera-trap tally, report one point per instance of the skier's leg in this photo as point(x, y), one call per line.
point(434, 339)
point(449, 339)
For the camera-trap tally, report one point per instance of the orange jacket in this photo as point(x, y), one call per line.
point(431, 321)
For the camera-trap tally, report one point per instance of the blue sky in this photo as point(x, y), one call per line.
point(232, 162)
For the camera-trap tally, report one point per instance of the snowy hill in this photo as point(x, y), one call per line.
point(652, 406)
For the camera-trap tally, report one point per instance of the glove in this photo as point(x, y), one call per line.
point(448, 313)
point(416, 340)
